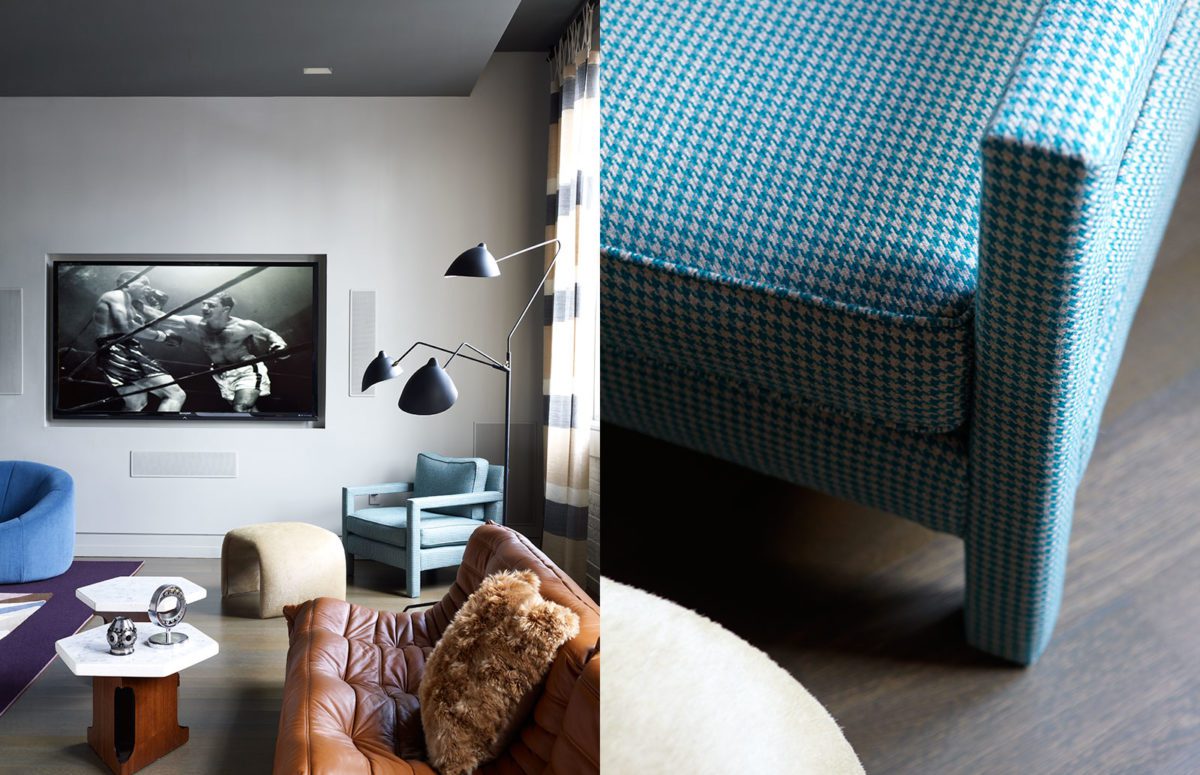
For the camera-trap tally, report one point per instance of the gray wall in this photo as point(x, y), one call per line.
point(389, 189)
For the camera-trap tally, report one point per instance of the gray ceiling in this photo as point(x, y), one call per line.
point(258, 47)
point(538, 24)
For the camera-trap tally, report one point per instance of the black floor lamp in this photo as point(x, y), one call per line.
point(430, 390)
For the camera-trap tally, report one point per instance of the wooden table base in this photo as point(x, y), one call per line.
point(135, 721)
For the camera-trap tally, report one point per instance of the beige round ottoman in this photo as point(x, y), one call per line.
point(285, 562)
point(683, 694)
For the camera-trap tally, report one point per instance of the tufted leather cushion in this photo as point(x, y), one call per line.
point(349, 700)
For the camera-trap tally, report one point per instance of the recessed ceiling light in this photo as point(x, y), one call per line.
point(318, 71)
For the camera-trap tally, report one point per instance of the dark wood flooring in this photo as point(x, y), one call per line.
point(865, 609)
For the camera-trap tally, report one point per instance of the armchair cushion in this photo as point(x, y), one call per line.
point(387, 524)
point(830, 210)
point(439, 475)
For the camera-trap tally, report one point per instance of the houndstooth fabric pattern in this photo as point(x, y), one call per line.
point(911, 373)
point(805, 167)
point(1080, 164)
point(775, 435)
point(1157, 151)
point(1072, 215)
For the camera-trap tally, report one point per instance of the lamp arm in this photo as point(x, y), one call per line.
point(495, 364)
point(489, 362)
point(526, 250)
point(536, 291)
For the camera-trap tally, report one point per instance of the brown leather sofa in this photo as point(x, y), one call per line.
point(350, 695)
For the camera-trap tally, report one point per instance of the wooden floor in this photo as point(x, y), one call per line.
point(231, 702)
point(865, 609)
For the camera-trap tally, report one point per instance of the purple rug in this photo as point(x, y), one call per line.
point(29, 649)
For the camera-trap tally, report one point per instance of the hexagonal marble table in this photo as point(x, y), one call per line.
point(130, 595)
point(135, 698)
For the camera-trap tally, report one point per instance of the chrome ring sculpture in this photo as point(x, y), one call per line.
point(167, 617)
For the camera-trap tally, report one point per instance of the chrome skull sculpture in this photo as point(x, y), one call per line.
point(122, 635)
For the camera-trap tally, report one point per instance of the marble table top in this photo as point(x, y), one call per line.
point(125, 594)
point(87, 653)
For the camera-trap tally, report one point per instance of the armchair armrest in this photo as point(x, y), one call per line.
point(1064, 158)
point(378, 489)
point(458, 499)
point(1079, 84)
point(349, 493)
point(417, 505)
point(53, 512)
point(1081, 164)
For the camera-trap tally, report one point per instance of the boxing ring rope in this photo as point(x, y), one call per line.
point(274, 355)
point(109, 345)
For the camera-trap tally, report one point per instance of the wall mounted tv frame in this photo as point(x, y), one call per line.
point(144, 337)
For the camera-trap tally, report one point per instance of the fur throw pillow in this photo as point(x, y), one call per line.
point(498, 648)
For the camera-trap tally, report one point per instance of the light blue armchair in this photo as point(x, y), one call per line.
point(37, 521)
point(450, 498)
point(891, 250)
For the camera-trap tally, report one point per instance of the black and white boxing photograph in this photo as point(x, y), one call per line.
point(184, 340)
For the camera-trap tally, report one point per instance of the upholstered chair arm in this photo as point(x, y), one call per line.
point(1078, 86)
point(350, 493)
point(377, 489)
point(39, 525)
point(1081, 163)
point(1092, 131)
point(427, 502)
point(417, 505)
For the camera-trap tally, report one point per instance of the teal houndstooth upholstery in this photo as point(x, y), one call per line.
point(892, 250)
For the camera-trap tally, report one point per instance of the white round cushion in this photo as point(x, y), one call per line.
point(683, 694)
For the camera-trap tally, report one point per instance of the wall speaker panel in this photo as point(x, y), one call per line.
point(362, 339)
point(183, 465)
point(11, 376)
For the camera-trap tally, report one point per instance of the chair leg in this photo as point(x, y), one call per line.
point(1014, 581)
point(414, 581)
point(349, 567)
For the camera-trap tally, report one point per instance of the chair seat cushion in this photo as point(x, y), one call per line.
point(803, 214)
point(387, 524)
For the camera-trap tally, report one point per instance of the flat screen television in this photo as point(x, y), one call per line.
point(139, 338)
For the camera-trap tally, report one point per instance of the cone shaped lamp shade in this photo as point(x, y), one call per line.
point(474, 262)
point(380, 369)
point(429, 390)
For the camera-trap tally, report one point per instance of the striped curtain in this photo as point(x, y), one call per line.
point(572, 293)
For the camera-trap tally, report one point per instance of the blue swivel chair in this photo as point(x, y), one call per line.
point(450, 497)
point(37, 521)
point(891, 250)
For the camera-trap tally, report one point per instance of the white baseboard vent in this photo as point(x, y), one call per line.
point(183, 465)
